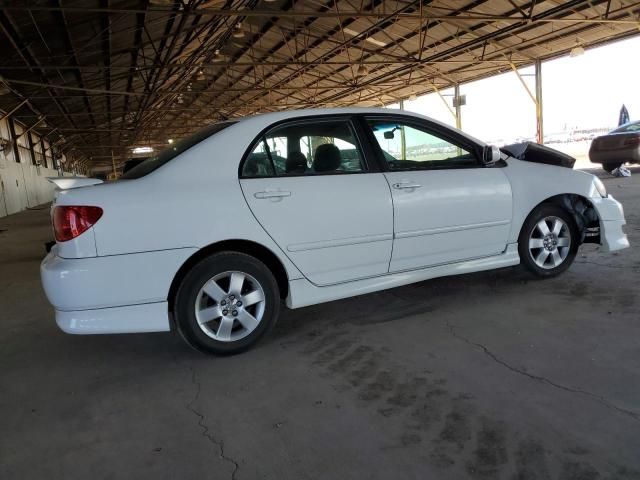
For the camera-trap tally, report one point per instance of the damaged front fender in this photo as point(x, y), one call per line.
point(585, 215)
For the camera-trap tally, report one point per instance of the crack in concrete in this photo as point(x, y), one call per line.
point(205, 429)
point(495, 358)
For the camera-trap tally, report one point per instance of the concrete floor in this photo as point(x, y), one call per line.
point(486, 376)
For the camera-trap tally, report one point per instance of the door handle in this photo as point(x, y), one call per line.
point(402, 186)
point(272, 194)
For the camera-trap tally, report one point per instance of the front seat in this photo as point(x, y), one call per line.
point(296, 163)
point(327, 158)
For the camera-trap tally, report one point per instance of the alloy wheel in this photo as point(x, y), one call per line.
point(230, 306)
point(550, 242)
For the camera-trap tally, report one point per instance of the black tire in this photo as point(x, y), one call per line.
point(610, 167)
point(529, 229)
point(189, 293)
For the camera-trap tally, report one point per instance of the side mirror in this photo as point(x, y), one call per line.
point(490, 155)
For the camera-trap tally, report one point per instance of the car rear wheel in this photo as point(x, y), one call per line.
point(610, 167)
point(226, 303)
point(548, 241)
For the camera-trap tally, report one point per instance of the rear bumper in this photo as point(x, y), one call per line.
point(112, 294)
point(149, 317)
point(611, 215)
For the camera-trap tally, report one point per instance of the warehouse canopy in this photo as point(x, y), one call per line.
point(102, 76)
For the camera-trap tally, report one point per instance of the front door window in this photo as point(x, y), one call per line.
point(408, 147)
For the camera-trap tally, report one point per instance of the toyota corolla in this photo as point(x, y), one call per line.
point(212, 234)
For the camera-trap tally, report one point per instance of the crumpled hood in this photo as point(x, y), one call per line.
point(534, 152)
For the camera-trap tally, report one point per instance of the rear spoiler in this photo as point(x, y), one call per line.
point(67, 183)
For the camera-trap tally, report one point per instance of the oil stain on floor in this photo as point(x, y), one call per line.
point(445, 427)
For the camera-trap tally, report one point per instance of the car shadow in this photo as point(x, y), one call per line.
point(398, 303)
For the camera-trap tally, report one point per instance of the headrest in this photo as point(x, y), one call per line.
point(296, 163)
point(327, 158)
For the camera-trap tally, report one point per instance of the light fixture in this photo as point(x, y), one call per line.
point(238, 32)
point(200, 75)
point(372, 41)
point(362, 70)
point(180, 100)
point(142, 150)
point(577, 50)
point(170, 140)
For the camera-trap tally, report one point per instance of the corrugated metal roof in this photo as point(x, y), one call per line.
point(110, 74)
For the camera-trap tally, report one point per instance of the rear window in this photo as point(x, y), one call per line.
point(168, 154)
point(627, 128)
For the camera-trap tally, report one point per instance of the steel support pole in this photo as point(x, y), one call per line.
point(113, 164)
point(28, 130)
point(539, 116)
point(535, 97)
point(32, 152)
point(456, 95)
point(446, 104)
point(403, 140)
point(51, 144)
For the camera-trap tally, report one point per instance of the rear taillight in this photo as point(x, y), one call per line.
point(631, 141)
point(69, 221)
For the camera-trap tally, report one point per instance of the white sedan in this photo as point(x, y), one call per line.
point(306, 206)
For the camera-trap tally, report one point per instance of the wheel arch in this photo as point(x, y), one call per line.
point(581, 209)
point(256, 250)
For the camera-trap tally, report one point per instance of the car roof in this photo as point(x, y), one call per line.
point(307, 112)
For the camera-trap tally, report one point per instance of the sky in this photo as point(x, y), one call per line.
point(578, 92)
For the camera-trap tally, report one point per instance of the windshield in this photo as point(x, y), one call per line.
point(155, 162)
point(627, 128)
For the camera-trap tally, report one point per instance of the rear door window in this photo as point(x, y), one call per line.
point(308, 147)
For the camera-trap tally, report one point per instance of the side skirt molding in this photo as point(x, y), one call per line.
point(303, 293)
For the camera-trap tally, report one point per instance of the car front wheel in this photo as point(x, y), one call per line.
point(226, 303)
point(548, 241)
